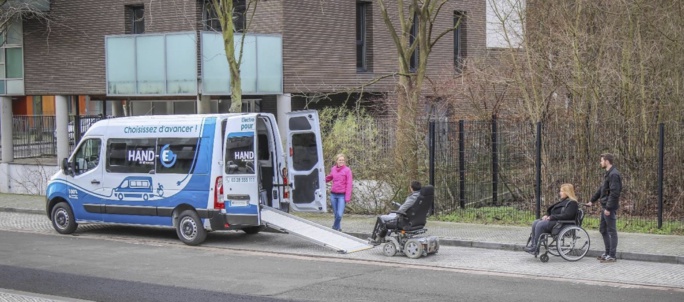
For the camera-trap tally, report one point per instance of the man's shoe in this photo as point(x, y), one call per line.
point(602, 257)
point(373, 242)
point(608, 259)
point(530, 250)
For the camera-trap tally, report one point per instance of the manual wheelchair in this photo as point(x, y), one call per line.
point(403, 232)
point(567, 239)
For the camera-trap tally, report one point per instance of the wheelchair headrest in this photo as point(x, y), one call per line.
point(427, 190)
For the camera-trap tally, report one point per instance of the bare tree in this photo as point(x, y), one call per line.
point(227, 15)
point(413, 34)
point(11, 10)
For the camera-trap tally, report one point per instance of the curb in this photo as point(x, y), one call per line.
point(25, 211)
point(519, 247)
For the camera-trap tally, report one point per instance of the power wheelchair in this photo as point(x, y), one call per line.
point(567, 239)
point(403, 232)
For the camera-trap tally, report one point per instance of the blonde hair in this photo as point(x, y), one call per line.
point(340, 155)
point(569, 190)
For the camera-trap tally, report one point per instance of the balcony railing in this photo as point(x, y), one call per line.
point(166, 64)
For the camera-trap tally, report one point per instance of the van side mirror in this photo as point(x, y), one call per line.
point(65, 166)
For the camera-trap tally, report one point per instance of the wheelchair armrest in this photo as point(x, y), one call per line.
point(398, 212)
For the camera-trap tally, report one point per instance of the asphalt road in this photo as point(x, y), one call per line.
point(129, 269)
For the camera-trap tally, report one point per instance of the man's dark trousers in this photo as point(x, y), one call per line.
point(608, 229)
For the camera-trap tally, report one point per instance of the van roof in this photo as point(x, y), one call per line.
point(102, 126)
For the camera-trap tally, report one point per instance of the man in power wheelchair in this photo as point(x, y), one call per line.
point(399, 230)
point(560, 231)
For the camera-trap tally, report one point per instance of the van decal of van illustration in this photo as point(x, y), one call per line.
point(135, 187)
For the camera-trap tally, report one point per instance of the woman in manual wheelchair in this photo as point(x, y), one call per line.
point(563, 225)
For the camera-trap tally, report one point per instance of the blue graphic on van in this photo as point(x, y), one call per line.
point(167, 157)
point(135, 187)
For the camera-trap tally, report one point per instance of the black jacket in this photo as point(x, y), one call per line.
point(609, 192)
point(565, 209)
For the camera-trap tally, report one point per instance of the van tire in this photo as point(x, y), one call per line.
point(62, 218)
point(190, 229)
point(252, 230)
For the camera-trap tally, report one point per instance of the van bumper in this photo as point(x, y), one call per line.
point(224, 221)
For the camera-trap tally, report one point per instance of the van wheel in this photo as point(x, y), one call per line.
point(190, 229)
point(63, 218)
point(252, 230)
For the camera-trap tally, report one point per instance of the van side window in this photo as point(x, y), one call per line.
point(88, 155)
point(176, 155)
point(131, 155)
point(240, 153)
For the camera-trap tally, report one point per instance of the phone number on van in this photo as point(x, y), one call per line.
point(241, 179)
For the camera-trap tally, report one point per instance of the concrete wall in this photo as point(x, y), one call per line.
point(25, 178)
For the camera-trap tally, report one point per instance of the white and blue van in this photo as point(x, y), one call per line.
point(196, 173)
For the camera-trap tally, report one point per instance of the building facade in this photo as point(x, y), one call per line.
point(136, 57)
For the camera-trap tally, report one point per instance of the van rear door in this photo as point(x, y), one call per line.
point(305, 161)
point(240, 171)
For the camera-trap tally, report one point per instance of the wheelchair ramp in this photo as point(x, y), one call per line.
point(311, 231)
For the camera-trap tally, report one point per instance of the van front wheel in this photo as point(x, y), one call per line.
point(63, 218)
point(190, 229)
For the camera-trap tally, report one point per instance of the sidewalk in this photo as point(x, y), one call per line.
point(642, 247)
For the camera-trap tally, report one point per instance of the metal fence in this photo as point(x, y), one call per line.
point(35, 135)
point(506, 170)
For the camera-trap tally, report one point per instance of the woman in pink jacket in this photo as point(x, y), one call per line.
point(341, 190)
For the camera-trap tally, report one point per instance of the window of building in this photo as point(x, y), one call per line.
point(211, 20)
point(37, 105)
point(362, 35)
point(12, 58)
point(415, 56)
point(251, 105)
point(459, 40)
point(135, 19)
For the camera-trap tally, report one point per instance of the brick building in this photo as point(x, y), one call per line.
point(140, 57)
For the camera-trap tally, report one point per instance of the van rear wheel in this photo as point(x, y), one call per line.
point(63, 218)
point(190, 229)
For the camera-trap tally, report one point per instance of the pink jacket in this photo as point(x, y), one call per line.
point(342, 181)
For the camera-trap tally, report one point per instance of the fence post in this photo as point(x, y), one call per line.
point(461, 164)
point(495, 163)
point(77, 119)
point(661, 147)
point(431, 143)
point(537, 180)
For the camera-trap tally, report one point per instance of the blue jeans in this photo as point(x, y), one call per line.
point(608, 229)
point(337, 202)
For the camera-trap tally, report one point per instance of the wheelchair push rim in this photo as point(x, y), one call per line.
point(573, 243)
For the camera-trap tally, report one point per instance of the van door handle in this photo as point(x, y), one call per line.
point(95, 182)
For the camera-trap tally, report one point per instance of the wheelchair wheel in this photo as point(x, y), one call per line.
point(413, 249)
point(544, 258)
point(389, 249)
point(573, 243)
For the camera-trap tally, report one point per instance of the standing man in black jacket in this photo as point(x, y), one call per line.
point(608, 195)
